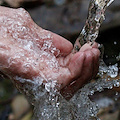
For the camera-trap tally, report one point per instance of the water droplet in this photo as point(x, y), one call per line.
point(116, 84)
point(116, 93)
point(110, 87)
point(115, 42)
point(91, 92)
point(113, 71)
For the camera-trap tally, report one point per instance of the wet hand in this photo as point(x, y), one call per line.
point(28, 51)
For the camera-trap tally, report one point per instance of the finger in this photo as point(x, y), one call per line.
point(95, 45)
point(86, 75)
point(84, 68)
point(76, 64)
point(74, 70)
point(86, 47)
point(62, 44)
point(87, 70)
point(96, 53)
point(90, 69)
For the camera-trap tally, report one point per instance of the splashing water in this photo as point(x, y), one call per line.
point(48, 103)
point(89, 33)
point(96, 15)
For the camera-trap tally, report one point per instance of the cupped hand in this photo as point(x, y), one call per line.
point(30, 52)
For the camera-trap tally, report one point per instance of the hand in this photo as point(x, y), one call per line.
point(28, 51)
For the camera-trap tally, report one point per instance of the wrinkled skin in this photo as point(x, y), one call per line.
point(72, 70)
